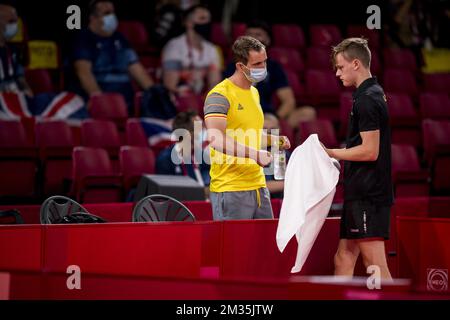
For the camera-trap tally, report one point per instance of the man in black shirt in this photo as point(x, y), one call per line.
point(365, 222)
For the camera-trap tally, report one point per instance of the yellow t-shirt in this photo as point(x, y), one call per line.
point(245, 119)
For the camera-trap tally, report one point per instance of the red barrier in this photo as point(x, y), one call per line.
point(423, 252)
point(249, 249)
point(163, 249)
point(20, 248)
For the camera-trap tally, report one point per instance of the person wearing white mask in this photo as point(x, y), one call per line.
point(234, 121)
point(103, 59)
point(12, 73)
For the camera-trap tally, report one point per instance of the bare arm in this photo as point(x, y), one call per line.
point(171, 79)
point(138, 73)
point(275, 186)
point(221, 142)
point(287, 102)
point(367, 151)
point(83, 70)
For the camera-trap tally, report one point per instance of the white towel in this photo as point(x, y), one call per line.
point(309, 187)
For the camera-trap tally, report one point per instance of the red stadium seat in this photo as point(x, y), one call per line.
point(323, 128)
point(435, 105)
point(39, 80)
point(395, 58)
point(109, 106)
point(136, 34)
point(373, 36)
point(218, 35)
point(437, 82)
point(323, 91)
point(134, 162)
point(289, 58)
point(404, 120)
point(324, 35)
point(238, 29)
point(409, 179)
point(55, 142)
point(437, 152)
point(288, 36)
point(93, 177)
point(102, 134)
point(297, 87)
point(18, 161)
point(400, 81)
point(401, 110)
point(318, 58)
point(322, 87)
point(135, 135)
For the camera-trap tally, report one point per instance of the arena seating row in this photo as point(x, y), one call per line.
point(54, 153)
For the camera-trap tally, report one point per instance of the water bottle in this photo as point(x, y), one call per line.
point(279, 160)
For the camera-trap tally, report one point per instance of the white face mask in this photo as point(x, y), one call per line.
point(10, 30)
point(110, 23)
point(256, 74)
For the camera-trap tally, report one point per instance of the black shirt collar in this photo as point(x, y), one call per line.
point(364, 86)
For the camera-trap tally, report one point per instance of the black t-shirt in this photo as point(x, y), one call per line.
point(369, 180)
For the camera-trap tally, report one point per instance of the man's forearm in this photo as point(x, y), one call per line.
point(358, 153)
point(285, 109)
point(227, 145)
point(89, 84)
point(141, 76)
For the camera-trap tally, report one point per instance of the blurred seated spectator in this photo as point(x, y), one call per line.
point(190, 61)
point(186, 156)
point(276, 187)
point(17, 98)
point(12, 72)
point(276, 83)
point(102, 58)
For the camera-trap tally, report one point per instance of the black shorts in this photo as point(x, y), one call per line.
point(362, 219)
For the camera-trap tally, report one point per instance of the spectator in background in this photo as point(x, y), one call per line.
point(276, 187)
point(276, 83)
point(190, 62)
point(12, 73)
point(172, 161)
point(102, 58)
point(17, 98)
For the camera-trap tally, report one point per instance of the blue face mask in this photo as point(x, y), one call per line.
point(256, 74)
point(10, 30)
point(110, 23)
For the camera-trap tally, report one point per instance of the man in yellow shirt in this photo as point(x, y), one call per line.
point(234, 120)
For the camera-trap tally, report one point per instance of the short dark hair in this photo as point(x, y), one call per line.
point(242, 47)
point(93, 6)
point(259, 24)
point(353, 48)
point(189, 11)
point(184, 120)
